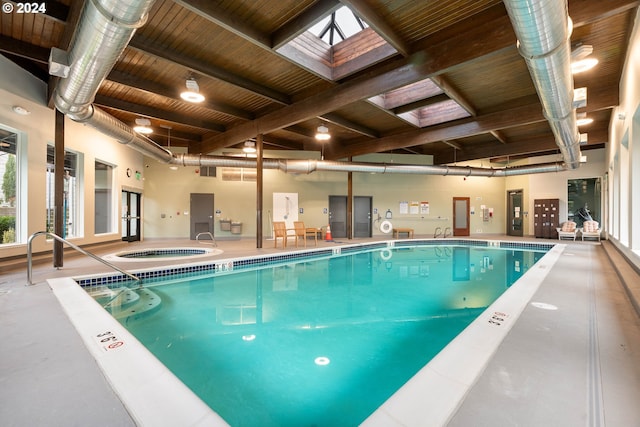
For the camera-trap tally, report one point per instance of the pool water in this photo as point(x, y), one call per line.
point(323, 342)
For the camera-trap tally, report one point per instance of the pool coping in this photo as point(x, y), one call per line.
point(154, 396)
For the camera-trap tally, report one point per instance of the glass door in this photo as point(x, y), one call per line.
point(131, 218)
point(461, 216)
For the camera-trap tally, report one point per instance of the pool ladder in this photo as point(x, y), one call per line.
point(438, 232)
point(207, 233)
point(77, 248)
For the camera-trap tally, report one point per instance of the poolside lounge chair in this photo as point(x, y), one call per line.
point(590, 230)
point(567, 231)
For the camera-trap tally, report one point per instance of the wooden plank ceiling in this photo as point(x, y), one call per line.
point(427, 77)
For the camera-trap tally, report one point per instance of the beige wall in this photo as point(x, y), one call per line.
point(37, 130)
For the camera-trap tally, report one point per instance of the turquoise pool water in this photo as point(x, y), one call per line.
point(320, 342)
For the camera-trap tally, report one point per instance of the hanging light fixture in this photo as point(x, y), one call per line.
point(322, 133)
point(583, 120)
point(580, 59)
point(192, 94)
point(249, 147)
point(143, 126)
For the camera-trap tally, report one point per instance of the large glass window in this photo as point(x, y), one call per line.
point(9, 189)
point(71, 198)
point(584, 200)
point(103, 198)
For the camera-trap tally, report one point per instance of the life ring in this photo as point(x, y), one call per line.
point(386, 227)
point(385, 254)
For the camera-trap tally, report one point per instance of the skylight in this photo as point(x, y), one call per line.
point(338, 26)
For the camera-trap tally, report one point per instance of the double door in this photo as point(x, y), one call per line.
point(339, 217)
point(545, 218)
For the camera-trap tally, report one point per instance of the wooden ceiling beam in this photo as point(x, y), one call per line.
point(145, 110)
point(382, 27)
point(436, 59)
point(529, 146)
point(196, 66)
point(453, 130)
point(212, 12)
point(25, 50)
point(162, 90)
point(303, 22)
point(338, 120)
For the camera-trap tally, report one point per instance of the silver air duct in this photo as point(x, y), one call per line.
point(105, 28)
point(308, 166)
point(543, 29)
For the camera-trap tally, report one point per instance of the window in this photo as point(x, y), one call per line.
point(103, 198)
point(9, 191)
point(71, 197)
point(584, 200)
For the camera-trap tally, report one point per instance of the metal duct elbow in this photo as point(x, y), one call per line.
point(543, 29)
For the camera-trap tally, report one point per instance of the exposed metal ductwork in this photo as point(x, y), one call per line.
point(106, 26)
point(543, 29)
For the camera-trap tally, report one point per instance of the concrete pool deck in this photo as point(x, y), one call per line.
point(560, 367)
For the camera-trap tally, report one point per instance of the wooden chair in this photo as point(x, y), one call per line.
point(302, 232)
point(279, 232)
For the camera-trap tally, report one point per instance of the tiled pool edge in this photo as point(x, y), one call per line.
point(154, 396)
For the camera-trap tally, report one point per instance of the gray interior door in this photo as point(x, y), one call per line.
point(338, 216)
point(514, 213)
point(201, 214)
point(362, 216)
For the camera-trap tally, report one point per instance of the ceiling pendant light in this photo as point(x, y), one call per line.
point(580, 60)
point(192, 94)
point(583, 120)
point(143, 126)
point(249, 147)
point(322, 133)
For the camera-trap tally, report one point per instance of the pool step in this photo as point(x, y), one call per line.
point(119, 298)
point(146, 303)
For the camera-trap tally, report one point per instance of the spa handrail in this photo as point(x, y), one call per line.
point(77, 248)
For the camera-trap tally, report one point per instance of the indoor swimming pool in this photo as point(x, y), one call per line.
point(318, 338)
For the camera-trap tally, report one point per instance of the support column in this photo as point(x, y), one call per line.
point(58, 193)
point(259, 191)
point(350, 203)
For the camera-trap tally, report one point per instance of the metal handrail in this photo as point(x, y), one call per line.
point(206, 233)
point(445, 235)
point(438, 232)
point(78, 248)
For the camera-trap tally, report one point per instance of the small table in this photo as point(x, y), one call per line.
point(397, 231)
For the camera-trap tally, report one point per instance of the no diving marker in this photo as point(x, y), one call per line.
point(498, 318)
point(108, 341)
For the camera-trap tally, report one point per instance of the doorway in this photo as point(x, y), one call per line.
point(461, 216)
point(131, 217)
point(201, 214)
point(338, 216)
point(514, 213)
point(362, 216)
